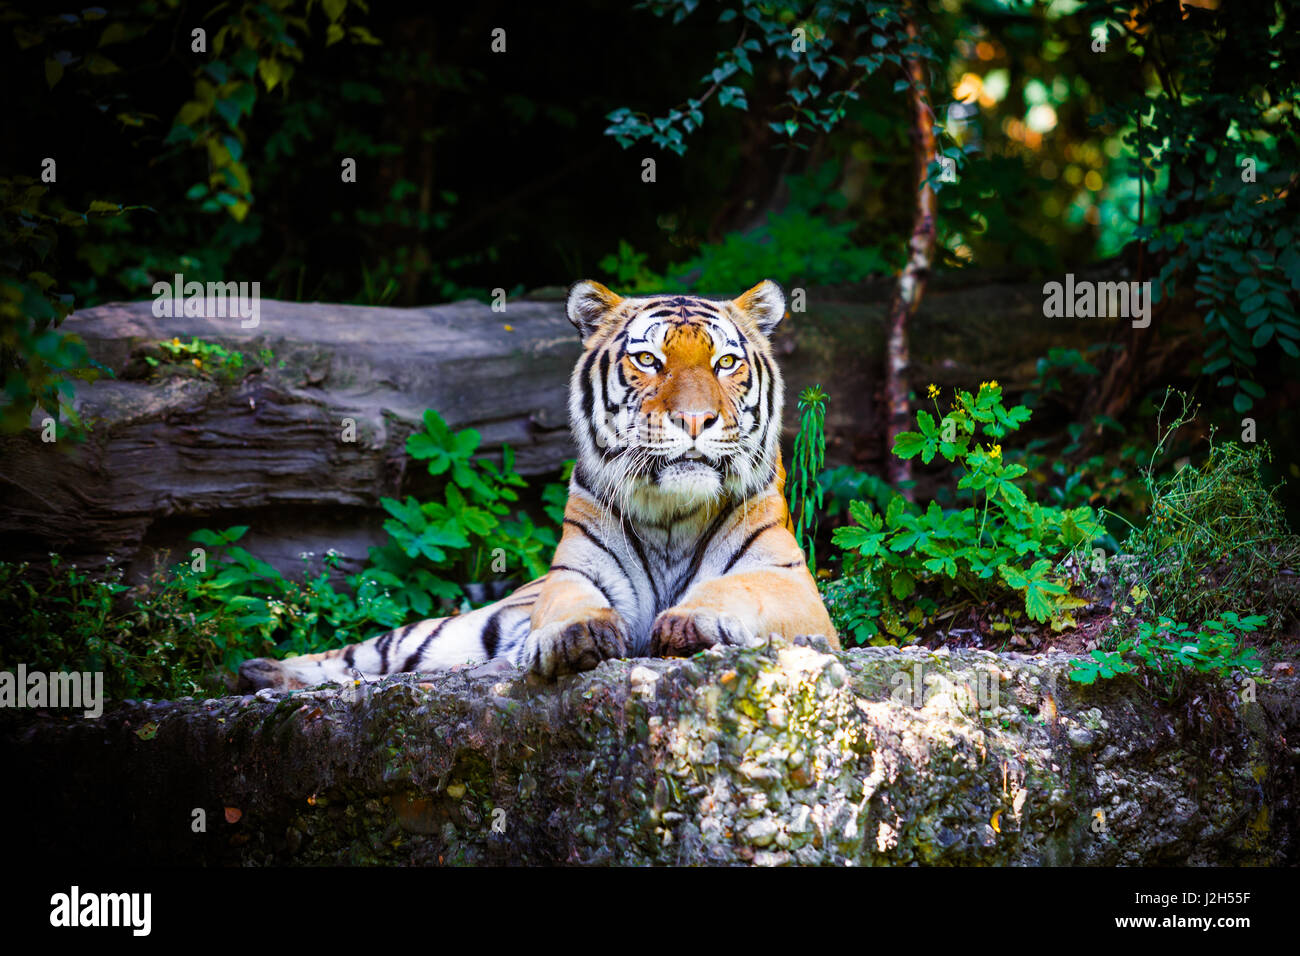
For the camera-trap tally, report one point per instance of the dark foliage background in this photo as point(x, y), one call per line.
point(1082, 133)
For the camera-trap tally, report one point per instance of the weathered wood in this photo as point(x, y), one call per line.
point(167, 456)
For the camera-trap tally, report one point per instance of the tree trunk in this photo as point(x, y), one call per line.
point(911, 280)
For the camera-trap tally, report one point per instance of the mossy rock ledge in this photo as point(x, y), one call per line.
point(782, 754)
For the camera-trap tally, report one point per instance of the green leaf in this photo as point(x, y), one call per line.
point(909, 445)
point(902, 585)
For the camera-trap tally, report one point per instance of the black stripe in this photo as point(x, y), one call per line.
point(645, 566)
point(590, 577)
point(771, 395)
point(588, 394)
point(701, 549)
point(591, 536)
point(414, 659)
point(492, 633)
point(383, 644)
point(617, 515)
point(602, 372)
point(749, 542)
point(585, 363)
point(582, 480)
point(350, 654)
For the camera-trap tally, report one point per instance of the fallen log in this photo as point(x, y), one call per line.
point(304, 445)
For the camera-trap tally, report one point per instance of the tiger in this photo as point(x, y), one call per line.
point(676, 534)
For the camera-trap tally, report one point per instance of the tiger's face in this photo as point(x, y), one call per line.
point(676, 401)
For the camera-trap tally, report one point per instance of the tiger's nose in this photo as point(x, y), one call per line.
point(696, 422)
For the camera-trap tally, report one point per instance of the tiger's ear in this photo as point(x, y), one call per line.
point(764, 305)
point(589, 303)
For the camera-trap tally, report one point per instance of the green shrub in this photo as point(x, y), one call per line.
point(801, 243)
point(277, 616)
point(1168, 652)
point(145, 648)
point(1217, 540)
point(435, 546)
point(1000, 545)
point(197, 357)
point(199, 620)
point(1059, 471)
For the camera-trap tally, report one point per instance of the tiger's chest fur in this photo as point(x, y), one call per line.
point(644, 565)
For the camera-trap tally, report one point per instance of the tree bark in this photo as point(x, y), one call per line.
point(911, 280)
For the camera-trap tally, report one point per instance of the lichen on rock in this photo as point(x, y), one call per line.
point(785, 754)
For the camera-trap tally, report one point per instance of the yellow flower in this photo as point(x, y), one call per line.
point(176, 341)
point(995, 451)
point(932, 391)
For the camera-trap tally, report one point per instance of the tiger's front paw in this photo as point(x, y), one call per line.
point(260, 673)
point(570, 647)
point(681, 633)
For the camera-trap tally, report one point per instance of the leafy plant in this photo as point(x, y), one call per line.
point(800, 244)
point(816, 98)
point(436, 546)
point(1167, 652)
point(274, 614)
point(1059, 471)
point(999, 545)
point(199, 620)
point(843, 485)
point(1217, 538)
point(794, 245)
point(39, 363)
point(803, 489)
point(628, 272)
point(207, 358)
point(72, 620)
point(555, 496)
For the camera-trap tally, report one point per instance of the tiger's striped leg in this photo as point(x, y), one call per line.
point(497, 630)
point(574, 627)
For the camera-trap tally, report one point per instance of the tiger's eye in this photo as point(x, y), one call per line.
point(727, 361)
point(646, 358)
